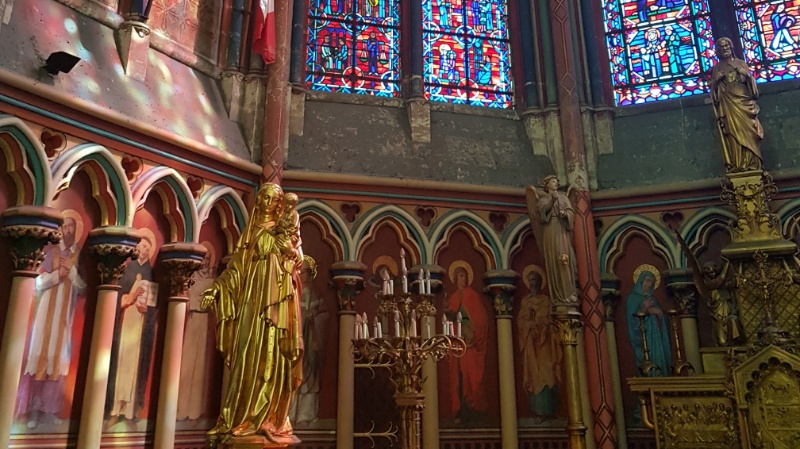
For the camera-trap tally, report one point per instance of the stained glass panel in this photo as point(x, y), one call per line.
point(658, 49)
point(769, 32)
point(466, 52)
point(354, 47)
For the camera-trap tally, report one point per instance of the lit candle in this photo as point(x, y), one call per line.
point(396, 323)
point(380, 329)
point(426, 282)
point(450, 328)
point(385, 277)
point(403, 270)
point(357, 330)
point(421, 280)
point(427, 327)
point(444, 325)
point(413, 323)
point(365, 326)
point(375, 327)
point(458, 325)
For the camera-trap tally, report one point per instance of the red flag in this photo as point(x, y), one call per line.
point(264, 31)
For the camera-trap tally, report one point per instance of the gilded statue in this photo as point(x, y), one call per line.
point(717, 286)
point(256, 300)
point(734, 93)
point(552, 219)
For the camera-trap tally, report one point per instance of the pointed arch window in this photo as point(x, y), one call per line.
point(354, 47)
point(770, 32)
point(658, 49)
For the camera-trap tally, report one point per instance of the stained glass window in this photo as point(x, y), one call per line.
point(354, 46)
point(466, 52)
point(769, 31)
point(658, 49)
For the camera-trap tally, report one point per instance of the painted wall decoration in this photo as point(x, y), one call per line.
point(192, 23)
point(44, 396)
point(354, 47)
point(539, 346)
point(658, 49)
point(466, 52)
point(769, 31)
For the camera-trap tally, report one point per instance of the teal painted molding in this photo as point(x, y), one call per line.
point(32, 158)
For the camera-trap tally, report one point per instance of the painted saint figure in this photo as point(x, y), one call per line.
point(305, 405)
point(651, 53)
point(58, 285)
point(642, 300)
point(258, 327)
point(373, 51)
point(673, 43)
point(734, 94)
point(192, 389)
point(467, 389)
point(541, 352)
point(326, 52)
point(137, 292)
point(342, 54)
point(644, 7)
point(444, 12)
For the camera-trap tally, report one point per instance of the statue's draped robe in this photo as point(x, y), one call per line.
point(259, 335)
point(541, 354)
point(737, 113)
point(472, 364)
point(552, 229)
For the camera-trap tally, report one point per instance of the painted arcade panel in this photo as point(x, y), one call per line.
point(541, 398)
point(315, 404)
point(467, 385)
point(53, 370)
point(639, 264)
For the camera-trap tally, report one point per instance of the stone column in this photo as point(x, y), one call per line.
point(275, 144)
point(27, 229)
point(178, 262)
point(568, 323)
point(348, 280)
point(611, 298)
point(500, 286)
point(680, 286)
point(111, 246)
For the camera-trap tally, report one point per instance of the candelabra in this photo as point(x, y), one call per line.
point(408, 345)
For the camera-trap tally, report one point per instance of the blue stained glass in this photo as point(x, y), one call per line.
point(770, 34)
point(466, 52)
point(354, 47)
point(658, 49)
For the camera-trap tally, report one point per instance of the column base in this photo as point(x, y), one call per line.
point(259, 442)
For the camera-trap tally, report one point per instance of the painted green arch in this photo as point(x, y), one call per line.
point(650, 227)
point(34, 162)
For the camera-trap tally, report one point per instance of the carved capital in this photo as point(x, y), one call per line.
point(347, 278)
point(29, 229)
point(179, 262)
point(500, 287)
point(568, 325)
point(112, 246)
point(609, 291)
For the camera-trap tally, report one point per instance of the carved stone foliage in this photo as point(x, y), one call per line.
point(690, 422)
point(27, 244)
point(568, 326)
point(111, 258)
point(178, 274)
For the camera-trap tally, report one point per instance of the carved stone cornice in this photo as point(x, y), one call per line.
point(112, 246)
point(29, 229)
point(179, 262)
point(347, 278)
point(500, 286)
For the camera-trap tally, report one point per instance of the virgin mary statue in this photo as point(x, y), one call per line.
point(643, 300)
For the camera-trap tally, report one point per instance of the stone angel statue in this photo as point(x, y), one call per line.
point(717, 286)
point(552, 218)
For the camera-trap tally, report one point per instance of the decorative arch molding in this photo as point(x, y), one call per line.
point(497, 256)
point(408, 242)
point(329, 235)
point(109, 183)
point(613, 240)
point(27, 161)
point(179, 205)
point(403, 219)
point(790, 219)
point(231, 209)
point(514, 236)
point(332, 220)
point(477, 237)
point(695, 230)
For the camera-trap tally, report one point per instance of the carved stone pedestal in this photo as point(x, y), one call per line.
point(259, 442)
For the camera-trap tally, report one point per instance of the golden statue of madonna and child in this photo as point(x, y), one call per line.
point(256, 300)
